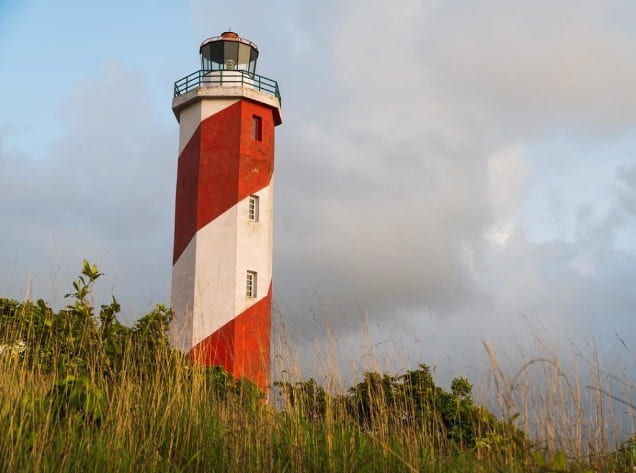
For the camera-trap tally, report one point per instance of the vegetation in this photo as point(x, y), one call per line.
point(79, 391)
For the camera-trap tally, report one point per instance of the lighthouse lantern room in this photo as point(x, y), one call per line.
point(228, 52)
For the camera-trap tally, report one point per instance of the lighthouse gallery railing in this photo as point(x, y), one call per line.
point(207, 78)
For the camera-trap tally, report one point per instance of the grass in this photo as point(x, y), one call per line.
point(171, 420)
point(75, 397)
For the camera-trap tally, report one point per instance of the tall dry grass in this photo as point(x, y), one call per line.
point(565, 398)
point(174, 420)
point(159, 413)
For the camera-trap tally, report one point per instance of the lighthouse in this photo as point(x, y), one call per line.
point(222, 258)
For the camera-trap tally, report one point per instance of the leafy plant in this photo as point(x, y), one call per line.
point(77, 396)
point(410, 400)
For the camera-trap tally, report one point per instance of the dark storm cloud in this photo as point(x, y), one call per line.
point(378, 234)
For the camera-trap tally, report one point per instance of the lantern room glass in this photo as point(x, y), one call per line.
point(228, 55)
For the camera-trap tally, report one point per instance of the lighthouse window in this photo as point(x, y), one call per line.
point(257, 128)
point(252, 210)
point(251, 284)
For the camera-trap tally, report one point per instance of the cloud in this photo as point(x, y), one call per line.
point(406, 156)
point(537, 68)
point(104, 192)
point(403, 199)
point(627, 193)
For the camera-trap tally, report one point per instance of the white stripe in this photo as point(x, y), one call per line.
point(254, 247)
point(209, 278)
point(182, 298)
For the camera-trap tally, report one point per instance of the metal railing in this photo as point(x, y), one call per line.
point(207, 78)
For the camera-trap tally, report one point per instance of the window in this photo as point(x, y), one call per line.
point(251, 284)
point(252, 210)
point(257, 128)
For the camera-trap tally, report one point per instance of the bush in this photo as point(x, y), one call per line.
point(411, 401)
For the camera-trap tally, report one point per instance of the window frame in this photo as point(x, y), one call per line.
point(257, 128)
point(251, 284)
point(253, 208)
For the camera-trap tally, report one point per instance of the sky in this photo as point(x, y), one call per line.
point(447, 173)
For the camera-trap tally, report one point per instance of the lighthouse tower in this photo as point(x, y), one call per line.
point(222, 259)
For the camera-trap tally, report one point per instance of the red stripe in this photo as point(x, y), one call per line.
point(220, 166)
point(242, 346)
point(185, 215)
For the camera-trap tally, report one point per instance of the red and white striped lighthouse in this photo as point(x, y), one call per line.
point(222, 260)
